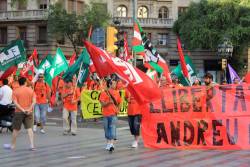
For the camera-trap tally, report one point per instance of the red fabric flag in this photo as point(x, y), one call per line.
point(8, 72)
point(28, 65)
point(91, 66)
point(53, 91)
point(72, 59)
point(183, 64)
point(162, 63)
point(139, 84)
point(247, 78)
point(35, 58)
point(126, 54)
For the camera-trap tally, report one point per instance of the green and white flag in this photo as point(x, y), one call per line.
point(191, 71)
point(45, 64)
point(82, 63)
point(58, 65)
point(12, 55)
point(43, 68)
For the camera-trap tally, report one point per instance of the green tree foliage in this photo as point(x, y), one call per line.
point(73, 26)
point(205, 24)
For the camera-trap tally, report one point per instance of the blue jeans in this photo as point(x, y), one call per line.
point(40, 113)
point(110, 127)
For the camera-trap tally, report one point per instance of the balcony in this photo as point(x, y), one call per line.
point(21, 15)
point(146, 22)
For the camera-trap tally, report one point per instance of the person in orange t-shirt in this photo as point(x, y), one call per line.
point(70, 97)
point(134, 118)
point(110, 100)
point(42, 91)
point(24, 100)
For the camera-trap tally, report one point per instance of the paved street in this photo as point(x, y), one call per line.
point(87, 149)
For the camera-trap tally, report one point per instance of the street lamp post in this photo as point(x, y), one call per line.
point(225, 50)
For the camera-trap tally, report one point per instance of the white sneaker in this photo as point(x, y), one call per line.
point(34, 128)
point(134, 144)
point(111, 148)
point(42, 131)
point(107, 147)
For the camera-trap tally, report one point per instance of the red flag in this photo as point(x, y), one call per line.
point(8, 72)
point(91, 66)
point(247, 78)
point(126, 54)
point(139, 84)
point(35, 58)
point(28, 65)
point(53, 91)
point(183, 64)
point(72, 59)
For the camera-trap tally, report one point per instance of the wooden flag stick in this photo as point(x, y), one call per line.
point(77, 80)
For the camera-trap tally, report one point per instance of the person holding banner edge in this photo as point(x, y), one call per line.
point(134, 118)
point(110, 100)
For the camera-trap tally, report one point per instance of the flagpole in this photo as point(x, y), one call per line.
point(77, 80)
point(159, 83)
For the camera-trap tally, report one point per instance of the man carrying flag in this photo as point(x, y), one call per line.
point(70, 96)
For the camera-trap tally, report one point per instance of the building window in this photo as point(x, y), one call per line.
point(71, 6)
point(80, 6)
point(142, 12)
point(3, 5)
point(121, 11)
point(43, 4)
point(22, 5)
point(3, 35)
point(163, 39)
point(182, 10)
point(163, 13)
point(42, 34)
point(22, 33)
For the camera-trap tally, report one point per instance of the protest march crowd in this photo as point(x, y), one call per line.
point(33, 100)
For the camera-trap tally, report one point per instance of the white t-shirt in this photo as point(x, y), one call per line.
point(6, 94)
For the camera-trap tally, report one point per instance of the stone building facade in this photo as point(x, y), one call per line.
point(29, 22)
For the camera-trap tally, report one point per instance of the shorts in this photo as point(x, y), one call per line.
point(134, 124)
point(21, 118)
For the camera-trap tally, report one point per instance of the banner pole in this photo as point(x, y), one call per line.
point(77, 80)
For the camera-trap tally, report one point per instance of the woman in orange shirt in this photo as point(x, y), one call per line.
point(110, 100)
